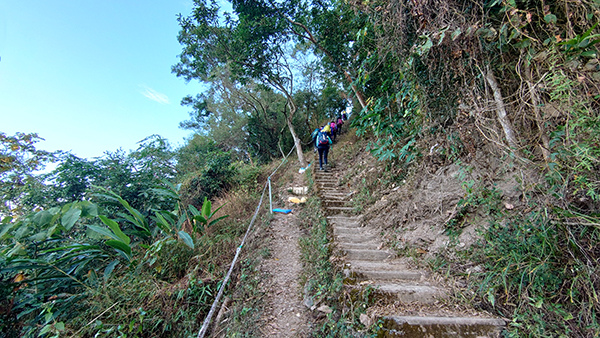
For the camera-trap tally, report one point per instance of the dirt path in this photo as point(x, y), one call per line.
point(287, 316)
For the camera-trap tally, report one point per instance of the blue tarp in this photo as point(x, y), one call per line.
point(283, 211)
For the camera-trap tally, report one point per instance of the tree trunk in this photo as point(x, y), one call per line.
point(296, 142)
point(501, 111)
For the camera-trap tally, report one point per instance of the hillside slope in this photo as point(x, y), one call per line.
point(473, 227)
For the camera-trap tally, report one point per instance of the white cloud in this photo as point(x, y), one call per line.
point(154, 95)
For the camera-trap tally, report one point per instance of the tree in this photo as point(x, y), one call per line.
point(252, 41)
point(19, 159)
point(330, 27)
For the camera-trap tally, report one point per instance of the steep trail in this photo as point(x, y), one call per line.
point(287, 315)
point(368, 263)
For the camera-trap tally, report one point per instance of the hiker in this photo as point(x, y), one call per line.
point(323, 142)
point(339, 125)
point(333, 127)
point(314, 135)
point(344, 116)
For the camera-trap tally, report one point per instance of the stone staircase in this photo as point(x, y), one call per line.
point(366, 262)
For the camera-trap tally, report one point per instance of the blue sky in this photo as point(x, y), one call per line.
point(91, 76)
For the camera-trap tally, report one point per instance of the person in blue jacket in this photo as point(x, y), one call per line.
point(323, 143)
point(314, 135)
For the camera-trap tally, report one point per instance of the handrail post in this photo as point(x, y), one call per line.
point(270, 197)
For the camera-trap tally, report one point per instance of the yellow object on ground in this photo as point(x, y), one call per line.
point(297, 200)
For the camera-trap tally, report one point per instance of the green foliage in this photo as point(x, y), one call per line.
point(52, 273)
point(19, 159)
point(539, 273)
point(573, 146)
point(209, 171)
point(394, 119)
point(57, 267)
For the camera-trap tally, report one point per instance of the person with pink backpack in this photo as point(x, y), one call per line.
point(339, 125)
point(333, 127)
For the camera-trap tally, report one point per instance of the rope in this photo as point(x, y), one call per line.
point(213, 308)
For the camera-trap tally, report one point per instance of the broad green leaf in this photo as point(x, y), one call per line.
point(120, 247)
point(18, 249)
point(70, 217)
point(589, 54)
point(8, 227)
point(206, 206)
point(109, 269)
point(217, 210)
point(103, 231)
point(93, 276)
point(163, 224)
point(40, 236)
point(187, 239)
point(42, 218)
point(114, 226)
point(181, 220)
point(141, 221)
point(200, 219)
point(550, 18)
point(88, 209)
point(60, 326)
point(45, 329)
point(218, 219)
point(193, 210)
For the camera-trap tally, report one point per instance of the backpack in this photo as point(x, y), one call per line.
point(314, 134)
point(333, 126)
point(322, 138)
point(340, 122)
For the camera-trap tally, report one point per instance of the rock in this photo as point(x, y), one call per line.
point(324, 309)
point(309, 302)
point(365, 320)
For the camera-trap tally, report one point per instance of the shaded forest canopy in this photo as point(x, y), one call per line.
point(451, 80)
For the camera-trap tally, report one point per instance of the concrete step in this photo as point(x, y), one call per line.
point(381, 275)
point(392, 265)
point(330, 174)
point(408, 293)
point(331, 196)
point(333, 191)
point(327, 184)
point(339, 193)
point(334, 203)
point(367, 255)
point(413, 326)
point(340, 209)
point(346, 224)
point(370, 245)
point(326, 179)
point(343, 218)
point(327, 190)
point(339, 230)
point(355, 238)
